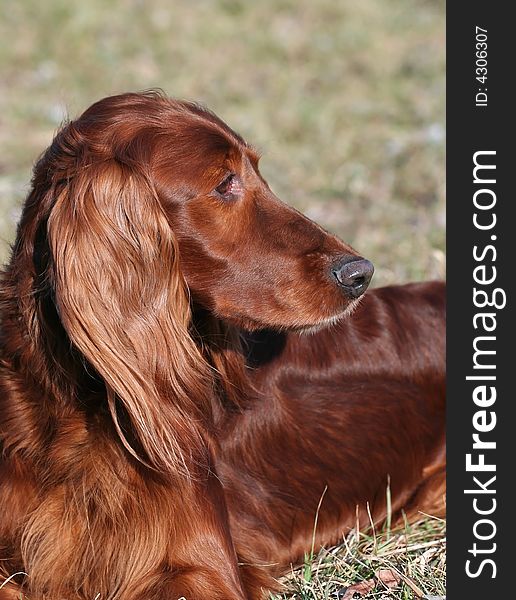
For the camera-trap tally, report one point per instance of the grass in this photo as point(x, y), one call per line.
point(401, 563)
point(345, 99)
point(414, 555)
point(346, 102)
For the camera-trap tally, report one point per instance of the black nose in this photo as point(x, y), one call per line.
point(353, 275)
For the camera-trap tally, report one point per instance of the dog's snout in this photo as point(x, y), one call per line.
point(353, 275)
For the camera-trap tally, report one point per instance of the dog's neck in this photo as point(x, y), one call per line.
point(235, 356)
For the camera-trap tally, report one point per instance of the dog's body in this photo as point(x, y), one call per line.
point(343, 409)
point(166, 429)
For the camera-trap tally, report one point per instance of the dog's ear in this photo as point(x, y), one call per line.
point(124, 304)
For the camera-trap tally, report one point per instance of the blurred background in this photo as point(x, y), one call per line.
point(345, 99)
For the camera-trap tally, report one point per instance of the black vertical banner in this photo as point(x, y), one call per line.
point(481, 248)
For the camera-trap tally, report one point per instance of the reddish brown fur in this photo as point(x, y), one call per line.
point(166, 427)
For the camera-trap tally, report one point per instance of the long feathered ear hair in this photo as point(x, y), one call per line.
point(122, 300)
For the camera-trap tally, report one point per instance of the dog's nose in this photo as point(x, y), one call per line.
point(353, 275)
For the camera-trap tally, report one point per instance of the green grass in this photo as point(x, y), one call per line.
point(416, 554)
point(344, 99)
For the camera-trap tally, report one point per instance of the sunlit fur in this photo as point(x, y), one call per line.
point(165, 429)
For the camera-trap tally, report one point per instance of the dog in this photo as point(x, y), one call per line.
point(190, 371)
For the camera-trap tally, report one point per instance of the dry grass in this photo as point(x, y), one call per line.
point(344, 98)
point(415, 554)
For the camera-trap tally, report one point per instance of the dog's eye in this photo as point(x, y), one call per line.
point(230, 187)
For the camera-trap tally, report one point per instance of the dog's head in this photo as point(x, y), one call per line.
point(245, 255)
point(144, 171)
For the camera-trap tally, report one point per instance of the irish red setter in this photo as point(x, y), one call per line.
point(188, 366)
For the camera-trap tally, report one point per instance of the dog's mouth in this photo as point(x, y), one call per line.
point(249, 324)
point(329, 322)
